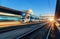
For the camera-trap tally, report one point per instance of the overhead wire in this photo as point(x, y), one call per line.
point(49, 6)
point(0, 2)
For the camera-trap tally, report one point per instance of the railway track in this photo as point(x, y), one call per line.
point(40, 33)
point(35, 31)
point(54, 34)
point(20, 32)
point(7, 29)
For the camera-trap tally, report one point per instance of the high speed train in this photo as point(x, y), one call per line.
point(8, 14)
point(10, 17)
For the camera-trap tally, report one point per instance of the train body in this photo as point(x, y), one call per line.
point(8, 14)
point(9, 18)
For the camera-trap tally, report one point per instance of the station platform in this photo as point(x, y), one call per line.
point(13, 23)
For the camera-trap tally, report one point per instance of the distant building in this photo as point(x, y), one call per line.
point(45, 17)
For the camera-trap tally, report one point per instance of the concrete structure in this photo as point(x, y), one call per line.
point(57, 12)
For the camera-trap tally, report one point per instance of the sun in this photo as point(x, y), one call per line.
point(51, 19)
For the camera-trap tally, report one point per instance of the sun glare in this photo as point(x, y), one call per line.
point(51, 19)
